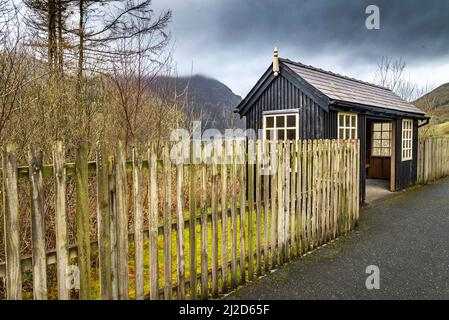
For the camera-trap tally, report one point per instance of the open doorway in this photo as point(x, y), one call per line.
point(380, 151)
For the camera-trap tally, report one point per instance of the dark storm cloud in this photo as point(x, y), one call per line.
point(232, 40)
point(414, 29)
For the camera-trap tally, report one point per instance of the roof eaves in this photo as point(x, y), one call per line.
point(379, 109)
point(242, 105)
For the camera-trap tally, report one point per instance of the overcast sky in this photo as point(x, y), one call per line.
point(233, 40)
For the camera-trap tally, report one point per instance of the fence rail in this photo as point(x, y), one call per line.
point(238, 211)
point(433, 159)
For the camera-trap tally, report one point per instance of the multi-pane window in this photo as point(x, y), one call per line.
point(347, 125)
point(281, 126)
point(381, 140)
point(407, 139)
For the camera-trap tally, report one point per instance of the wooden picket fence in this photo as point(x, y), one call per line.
point(232, 211)
point(433, 159)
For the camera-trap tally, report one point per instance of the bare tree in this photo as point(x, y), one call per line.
point(391, 73)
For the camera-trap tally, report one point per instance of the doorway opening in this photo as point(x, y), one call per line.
point(380, 155)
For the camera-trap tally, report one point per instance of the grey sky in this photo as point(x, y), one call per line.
point(233, 40)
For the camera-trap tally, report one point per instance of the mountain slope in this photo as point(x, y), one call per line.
point(436, 103)
point(208, 98)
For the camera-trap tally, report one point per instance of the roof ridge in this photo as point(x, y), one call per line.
point(299, 64)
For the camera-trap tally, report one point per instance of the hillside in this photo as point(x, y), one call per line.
point(210, 98)
point(436, 104)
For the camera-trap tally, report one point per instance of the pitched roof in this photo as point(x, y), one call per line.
point(345, 89)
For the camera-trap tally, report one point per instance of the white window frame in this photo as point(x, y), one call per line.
point(381, 139)
point(280, 113)
point(407, 140)
point(345, 126)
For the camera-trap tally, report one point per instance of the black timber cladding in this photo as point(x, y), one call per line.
point(406, 171)
point(282, 94)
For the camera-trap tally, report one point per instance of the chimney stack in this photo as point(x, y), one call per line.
point(276, 62)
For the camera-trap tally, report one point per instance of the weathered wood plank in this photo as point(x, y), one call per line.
point(274, 167)
point(181, 266)
point(138, 224)
point(250, 184)
point(224, 218)
point(62, 248)
point(320, 193)
point(167, 223)
point(314, 199)
point(192, 220)
point(214, 200)
point(204, 227)
point(83, 221)
point(304, 195)
point(328, 191)
point(293, 191)
point(153, 223)
point(335, 169)
point(258, 208)
point(266, 205)
point(104, 222)
point(242, 183)
point(233, 183)
point(309, 218)
point(122, 222)
point(113, 226)
point(299, 198)
point(286, 184)
point(11, 224)
point(281, 202)
point(38, 226)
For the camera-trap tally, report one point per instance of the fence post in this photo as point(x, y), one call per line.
point(281, 202)
point(38, 225)
point(233, 183)
point(113, 226)
point(242, 183)
point(11, 224)
point(104, 222)
point(204, 227)
point(299, 178)
point(250, 184)
point(83, 221)
point(153, 223)
point(180, 221)
point(62, 250)
point(274, 167)
point(192, 221)
point(224, 217)
point(258, 207)
point(214, 217)
point(167, 224)
point(293, 204)
point(286, 187)
point(266, 204)
point(138, 224)
point(122, 222)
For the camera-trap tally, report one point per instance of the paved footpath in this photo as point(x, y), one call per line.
point(406, 236)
